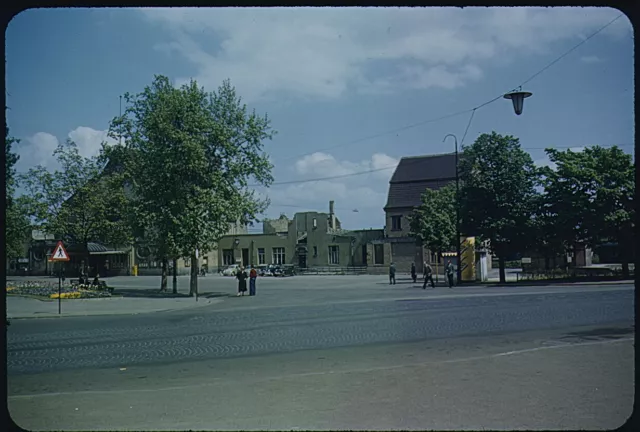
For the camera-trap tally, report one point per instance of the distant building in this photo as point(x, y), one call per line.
point(412, 177)
point(310, 239)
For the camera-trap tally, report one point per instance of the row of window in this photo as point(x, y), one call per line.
point(278, 256)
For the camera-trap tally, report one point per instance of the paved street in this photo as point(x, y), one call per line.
point(333, 353)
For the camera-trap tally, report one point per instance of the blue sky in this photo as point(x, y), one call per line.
point(329, 77)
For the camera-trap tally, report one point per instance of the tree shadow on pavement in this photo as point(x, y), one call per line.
point(155, 293)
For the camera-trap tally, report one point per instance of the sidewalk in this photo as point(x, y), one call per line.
point(23, 307)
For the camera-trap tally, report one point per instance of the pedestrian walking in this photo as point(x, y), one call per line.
point(450, 271)
point(241, 275)
point(392, 274)
point(414, 275)
point(253, 275)
point(428, 276)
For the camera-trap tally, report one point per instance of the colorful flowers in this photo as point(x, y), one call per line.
point(50, 290)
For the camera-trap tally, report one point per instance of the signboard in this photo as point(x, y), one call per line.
point(23, 260)
point(59, 253)
point(526, 260)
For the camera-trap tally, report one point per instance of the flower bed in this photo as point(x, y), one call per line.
point(50, 290)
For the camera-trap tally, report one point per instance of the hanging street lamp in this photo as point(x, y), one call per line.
point(518, 97)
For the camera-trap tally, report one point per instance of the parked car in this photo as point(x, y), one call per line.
point(262, 270)
point(231, 270)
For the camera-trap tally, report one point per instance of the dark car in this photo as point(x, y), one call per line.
point(276, 270)
point(262, 270)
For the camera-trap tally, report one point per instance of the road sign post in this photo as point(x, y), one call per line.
point(59, 255)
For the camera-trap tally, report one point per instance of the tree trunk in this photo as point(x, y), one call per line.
point(193, 282)
point(175, 276)
point(86, 257)
point(163, 281)
point(501, 264)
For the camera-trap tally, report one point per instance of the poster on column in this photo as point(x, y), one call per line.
point(468, 258)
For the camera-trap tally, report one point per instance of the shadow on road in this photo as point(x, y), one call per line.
point(151, 293)
point(602, 333)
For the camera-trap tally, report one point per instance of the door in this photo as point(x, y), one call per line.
point(364, 255)
point(245, 258)
point(302, 261)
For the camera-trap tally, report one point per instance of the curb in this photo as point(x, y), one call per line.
point(552, 283)
point(54, 316)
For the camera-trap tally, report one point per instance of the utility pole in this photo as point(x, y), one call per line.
point(459, 266)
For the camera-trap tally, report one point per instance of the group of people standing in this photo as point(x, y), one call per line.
point(242, 277)
point(428, 274)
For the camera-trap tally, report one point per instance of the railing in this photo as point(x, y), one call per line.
point(331, 270)
point(584, 273)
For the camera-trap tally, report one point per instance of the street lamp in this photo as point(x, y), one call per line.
point(518, 97)
point(459, 267)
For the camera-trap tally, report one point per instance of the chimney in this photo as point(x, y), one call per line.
point(332, 216)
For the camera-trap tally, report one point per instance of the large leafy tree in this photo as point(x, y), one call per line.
point(497, 194)
point(545, 236)
point(590, 197)
point(434, 220)
point(16, 222)
point(190, 156)
point(82, 202)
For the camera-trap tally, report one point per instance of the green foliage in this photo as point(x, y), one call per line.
point(497, 193)
point(544, 235)
point(590, 197)
point(16, 222)
point(434, 221)
point(81, 202)
point(189, 156)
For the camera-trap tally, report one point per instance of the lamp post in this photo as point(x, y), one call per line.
point(459, 269)
point(518, 97)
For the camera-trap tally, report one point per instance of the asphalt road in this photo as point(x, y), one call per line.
point(330, 358)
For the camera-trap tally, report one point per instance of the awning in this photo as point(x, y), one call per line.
point(95, 249)
point(109, 252)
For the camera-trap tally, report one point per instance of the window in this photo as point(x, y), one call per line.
point(315, 251)
point(261, 257)
point(187, 262)
point(227, 257)
point(278, 256)
point(378, 252)
point(334, 255)
point(396, 223)
point(315, 223)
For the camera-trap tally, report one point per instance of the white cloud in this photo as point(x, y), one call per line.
point(325, 52)
point(591, 59)
point(319, 165)
point(366, 193)
point(38, 149)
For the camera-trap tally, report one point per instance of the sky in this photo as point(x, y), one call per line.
point(348, 90)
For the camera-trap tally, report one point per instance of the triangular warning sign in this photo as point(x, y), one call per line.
point(59, 253)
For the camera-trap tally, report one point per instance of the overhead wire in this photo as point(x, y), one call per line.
point(335, 177)
point(472, 110)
